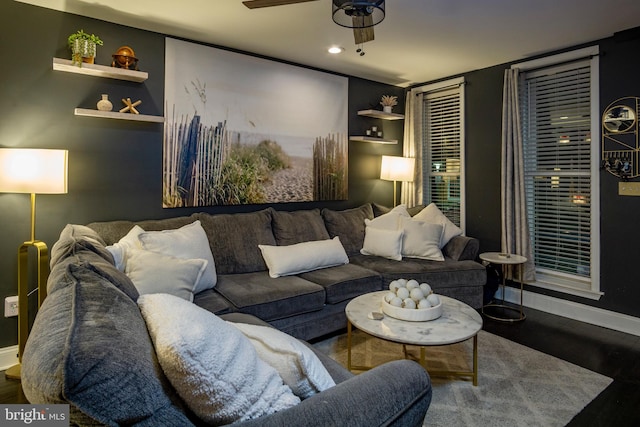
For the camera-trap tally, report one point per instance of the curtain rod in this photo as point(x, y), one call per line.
point(555, 64)
point(440, 89)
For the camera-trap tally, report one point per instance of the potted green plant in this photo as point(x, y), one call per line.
point(83, 47)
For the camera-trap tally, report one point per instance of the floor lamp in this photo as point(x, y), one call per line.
point(33, 171)
point(394, 168)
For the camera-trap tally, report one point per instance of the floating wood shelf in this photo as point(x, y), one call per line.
point(119, 116)
point(373, 139)
point(68, 66)
point(381, 115)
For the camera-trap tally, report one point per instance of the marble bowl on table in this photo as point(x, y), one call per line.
point(412, 314)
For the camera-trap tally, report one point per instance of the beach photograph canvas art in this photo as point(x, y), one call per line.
point(246, 130)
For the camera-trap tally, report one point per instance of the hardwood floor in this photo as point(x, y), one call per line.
point(611, 353)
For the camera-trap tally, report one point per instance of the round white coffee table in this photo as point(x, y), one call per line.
point(459, 322)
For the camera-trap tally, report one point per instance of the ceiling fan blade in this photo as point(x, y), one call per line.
point(363, 29)
point(254, 4)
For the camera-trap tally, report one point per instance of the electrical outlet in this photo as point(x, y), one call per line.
point(11, 306)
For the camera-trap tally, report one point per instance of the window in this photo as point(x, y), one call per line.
point(443, 146)
point(559, 110)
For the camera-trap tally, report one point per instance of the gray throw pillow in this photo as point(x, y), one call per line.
point(301, 226)
point(348, 225)
point(234, 240)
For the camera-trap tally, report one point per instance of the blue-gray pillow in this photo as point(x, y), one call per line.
point(348, 225)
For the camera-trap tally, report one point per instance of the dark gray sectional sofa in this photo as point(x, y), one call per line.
point(90, 348)
point(309, 305)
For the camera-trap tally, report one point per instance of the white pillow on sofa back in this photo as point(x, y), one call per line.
point(302, 257)
point(421, 239)
point(433, 215)
point(187, 242)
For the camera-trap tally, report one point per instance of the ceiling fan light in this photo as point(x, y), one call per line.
point(344, 11)
point(335, 49)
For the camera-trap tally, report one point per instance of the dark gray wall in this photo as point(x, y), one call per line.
point(114, 165)
point(620, 229)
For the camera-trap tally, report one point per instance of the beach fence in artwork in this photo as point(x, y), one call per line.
point(192, 163)
point(330, 167)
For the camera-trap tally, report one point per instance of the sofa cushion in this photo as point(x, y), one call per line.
point(303, 257)
point(154, 273)
point(89, 347)
point(344, 282)
point(212, 301)
point(294, 227)
point(269, 299)
point(348, 225)
point(76, 238)
point(234, 240)
point(187, 242)
point(296, 363)
point(212, 365)
point(112, 231)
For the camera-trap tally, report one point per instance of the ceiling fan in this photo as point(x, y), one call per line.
point(360, 15)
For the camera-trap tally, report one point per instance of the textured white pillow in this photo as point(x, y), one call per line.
point(301, 257)
point(212, 365)
point(432, 214)
point(390, 220)
point(186, 242)
point(384, 243)
point(128, 242)
point(298, 366)
point(421, 239)
point(153, 273)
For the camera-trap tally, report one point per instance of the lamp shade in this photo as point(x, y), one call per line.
point(395, 168)
point(36, 171)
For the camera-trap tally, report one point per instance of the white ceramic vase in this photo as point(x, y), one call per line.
point(104, 104)
point(387, 108)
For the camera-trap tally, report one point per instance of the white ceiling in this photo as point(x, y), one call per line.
point(418, 41)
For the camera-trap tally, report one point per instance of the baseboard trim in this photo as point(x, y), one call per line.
point(8, 357)
point(573, 310)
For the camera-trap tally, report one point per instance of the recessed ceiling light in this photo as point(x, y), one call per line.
point(335, 49)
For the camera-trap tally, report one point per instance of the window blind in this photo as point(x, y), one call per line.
point(442, 138)
point(556, 121)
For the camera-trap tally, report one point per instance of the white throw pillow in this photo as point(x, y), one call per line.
point(384, 243)
point(298, 366)
point(302, 257)
point(128, 242)
point(390, 220)
point(432, 214)
point(421, 239)
point(212, 365)
point(153, 273)
point(186, 242)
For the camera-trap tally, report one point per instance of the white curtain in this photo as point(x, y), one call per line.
point(515, 228)
point(411, 192)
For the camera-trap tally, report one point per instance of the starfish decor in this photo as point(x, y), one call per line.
point(130, 106)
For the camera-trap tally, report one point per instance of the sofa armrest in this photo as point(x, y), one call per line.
point(461, 248)
point(394, 394)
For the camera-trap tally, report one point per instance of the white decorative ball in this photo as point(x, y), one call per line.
point(402, 293)
point(424, 303)
point(396, 302)
point(412, 284)
point(393, 286)
point(402, 283)
point(426, 289)
point(416, 294)
point(389, 296)
point(433, 299)
point(409, 303)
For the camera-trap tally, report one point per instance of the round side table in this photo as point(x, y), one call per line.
point(505, 260)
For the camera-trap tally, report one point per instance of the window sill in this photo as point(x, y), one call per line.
point(565, 289)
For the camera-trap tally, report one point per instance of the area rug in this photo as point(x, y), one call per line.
point(517, 386)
